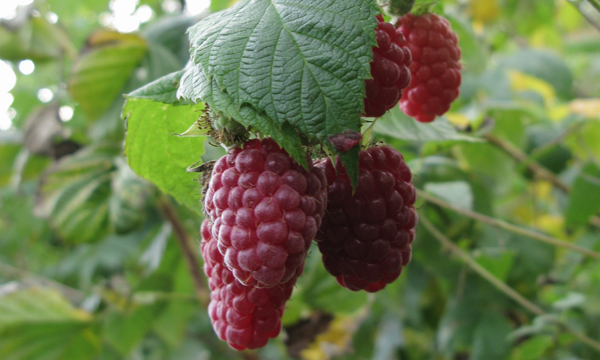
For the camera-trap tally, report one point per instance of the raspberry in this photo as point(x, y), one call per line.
point(389, 69)
point(366, 238)
point(244, 316)
point(265, 210)
point(435, 69)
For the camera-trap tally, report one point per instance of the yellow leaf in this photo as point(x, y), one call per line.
point(335, 341)
point(458, 119)
point(484, 11)
point(523, 82)
point(587, 107)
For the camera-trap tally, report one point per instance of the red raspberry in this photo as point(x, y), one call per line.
point(244, 316)
point(366, 237)
point(389, 69)
point(266, 210)
point(435, 69)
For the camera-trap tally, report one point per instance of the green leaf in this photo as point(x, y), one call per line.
point(584, 201)
point(400, 126)
point(532, 349)
point(127, 203)
point(490, 338)
point(318, 288)
point(172, 322)
point(497, 261)
point(124, 331)
point(74, 193)
point(544, 65)
point(154, 154)
point(40, 324)
point(220, 101)
point(302, 63)
point(37, 40)
point(474, 57)
point(104, 68)
point(163, 89)
point(457, 193)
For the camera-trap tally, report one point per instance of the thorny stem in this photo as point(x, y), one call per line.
point(184, 242)
point(500, 285)
point(507, 226)
point(533, 166)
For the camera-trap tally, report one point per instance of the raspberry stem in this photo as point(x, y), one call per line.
point(498, 284)
point(507, 226)
point(184, 242)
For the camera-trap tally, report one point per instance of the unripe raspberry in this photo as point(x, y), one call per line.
point(435, 69)
point(244, 316)
point(265, 210)
point(389, 69)
point(366, 238)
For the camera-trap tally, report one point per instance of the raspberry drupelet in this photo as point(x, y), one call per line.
point(389, 70)
point(366, 238)
point(265, 209)
point(246, 317)
point(436, 68)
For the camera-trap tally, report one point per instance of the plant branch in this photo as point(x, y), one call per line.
point(534, 167)
point(184, 242)
point(72, 293)
point(483, 272)
point(507, 226)
point(500, 285)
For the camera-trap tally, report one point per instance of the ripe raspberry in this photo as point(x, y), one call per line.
point(366, 238)
point(435, 69)
point(244, 316)
point(389, 69)
point(266, 210)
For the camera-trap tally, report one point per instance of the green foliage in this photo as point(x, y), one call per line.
point(165, 160)
point(101, 274)
point(104, 69)
point(59, 331)
point(243, 50)
point(585, 200)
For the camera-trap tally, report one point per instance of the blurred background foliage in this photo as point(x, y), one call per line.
point(93, 258)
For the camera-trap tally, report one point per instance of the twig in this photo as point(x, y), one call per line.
point(500, 285)
point(72, 293)
point(507, 226)
point(188, 253)
point(534, 166)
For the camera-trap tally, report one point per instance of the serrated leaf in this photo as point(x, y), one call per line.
point(302, 63)
point(156, 155)
point(163, 90)
point(220, 101)
point(74, 193)
point(584, 200)
point(400, 126)
point(104, 68)
point(40, 324)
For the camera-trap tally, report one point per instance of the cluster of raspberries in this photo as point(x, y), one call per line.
point(264, 209)
point(416, 64)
